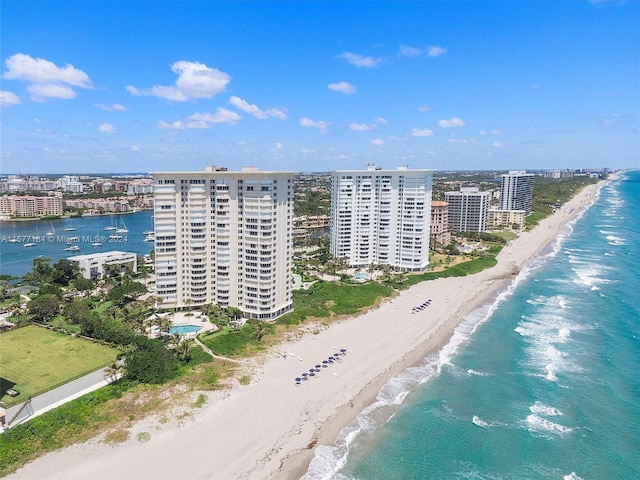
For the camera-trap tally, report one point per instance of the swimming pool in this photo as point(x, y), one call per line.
point(361, 276)
point(184, 329)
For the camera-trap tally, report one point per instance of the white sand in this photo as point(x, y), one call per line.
point(268, 428)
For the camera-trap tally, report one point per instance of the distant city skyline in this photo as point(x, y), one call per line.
point(140, 86)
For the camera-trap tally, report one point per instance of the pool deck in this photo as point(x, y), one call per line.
point(195, 318)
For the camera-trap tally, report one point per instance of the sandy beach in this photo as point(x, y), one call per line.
point(270, 428)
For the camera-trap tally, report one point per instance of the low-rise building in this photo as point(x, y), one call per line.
point(30, 206)
point(96, 265)
point(499, 219)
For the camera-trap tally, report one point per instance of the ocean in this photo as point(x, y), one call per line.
point(542, 384)
point(16, 259)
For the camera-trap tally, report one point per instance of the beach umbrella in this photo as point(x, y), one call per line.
point(318, 366)
point(343, 350)
point(305, 374)
point(298, 379)
point(312, 374)
point(325, 361)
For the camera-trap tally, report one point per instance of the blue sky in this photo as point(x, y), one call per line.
point(138, 86)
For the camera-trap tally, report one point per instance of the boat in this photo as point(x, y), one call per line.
point(73, 248)
point(97, 243)
point(123, 229)
point(69, 229)
point(149, 232)
point(52, 232)
point(111, 227)
point(150, 238)
point(29, 245)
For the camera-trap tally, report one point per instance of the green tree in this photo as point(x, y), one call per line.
point(259, 330)
point(51, 288)
point(150, 362)
point(41, 272)
point(234, 313)
point(82, 284)
point(44, 307)
point(126, 292)
point(64, 271)
point(77, 309)
point(183, 349)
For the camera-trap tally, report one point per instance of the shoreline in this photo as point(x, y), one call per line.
point(270, 428)
point(296, 464)
point(53, 218)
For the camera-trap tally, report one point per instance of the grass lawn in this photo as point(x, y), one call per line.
point(36, 359)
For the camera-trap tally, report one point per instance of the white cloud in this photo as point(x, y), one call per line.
point(307, 151)
point(461, 140)
point(498, 144)
point(411, 52)
point(381, 121)
point(254, 110)
point(277, 147)
point(111, 108)
point(8, 99)
point(436, 51)
point(425, 132)
point(38, 70)
point(247, 107)
point(320, 125)
point(135, 148)
point(424, 108)
point(454, 122)
point(344, 87)
point(195, 80)
point(202, 120)
point(361, 127)
point(358, 60)
point(45, 78)
point(106, 128)
point(277, 113)
point(40, 91)
point(377, 141)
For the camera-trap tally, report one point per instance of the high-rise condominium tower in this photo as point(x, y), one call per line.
point(468, 209)
point(225, 237)
point(381, 217)
point(516, 191)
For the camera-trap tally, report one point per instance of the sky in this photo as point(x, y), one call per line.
point(141, 86)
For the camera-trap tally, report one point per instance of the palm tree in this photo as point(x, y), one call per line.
point(386, 273)
point(371, 270)
point(234, 312)
point(112, 371)
point(259, 331)
point(183, 349)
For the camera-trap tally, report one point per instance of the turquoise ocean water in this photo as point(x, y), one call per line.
point(16, 259)
point(543, 384)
